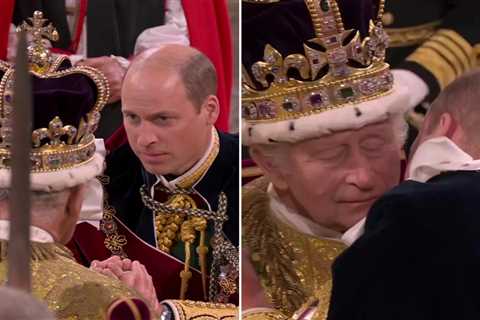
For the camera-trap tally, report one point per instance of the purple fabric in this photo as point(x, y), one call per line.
point(356, 14)
point(70, 97)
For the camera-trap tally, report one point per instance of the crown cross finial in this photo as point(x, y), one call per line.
point(38, 54)
point(54, 133)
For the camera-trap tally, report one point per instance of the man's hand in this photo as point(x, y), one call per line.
point(137, 277)
point(133, 274)
point(114, 72)
point(111, 267)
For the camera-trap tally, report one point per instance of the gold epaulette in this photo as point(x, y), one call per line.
point(409, 36)
point(189, 310)
point(446, 55)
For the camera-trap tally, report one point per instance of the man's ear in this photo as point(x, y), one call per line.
point(270, 168)
point(446, 126)
point(75, 200)
point(211, 107)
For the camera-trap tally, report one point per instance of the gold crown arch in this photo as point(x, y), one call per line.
point(356, 70)
point(57, 147)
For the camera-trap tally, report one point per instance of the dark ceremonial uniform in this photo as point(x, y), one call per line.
point(112, 29)
point(145, 230)
point(419, 257)
point(434, 39)
point(73, 291)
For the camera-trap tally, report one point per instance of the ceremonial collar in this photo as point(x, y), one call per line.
point(305, 225)
point(438, 155)
point(36, 234)
point(198, 171)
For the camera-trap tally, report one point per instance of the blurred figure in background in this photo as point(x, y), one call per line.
point(18, 305)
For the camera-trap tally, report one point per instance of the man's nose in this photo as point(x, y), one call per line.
point(145, 136)
point(360, 172)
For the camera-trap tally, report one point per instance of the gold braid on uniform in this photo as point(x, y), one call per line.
point(446, 55)
point(222, 283)
point(409, 36)
point(180, 218)
point(292, 266)
point(168, 225)
point(194, 310)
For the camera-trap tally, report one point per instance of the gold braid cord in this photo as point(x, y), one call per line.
point(224, 268)
point(292, 266)
point(171, 226)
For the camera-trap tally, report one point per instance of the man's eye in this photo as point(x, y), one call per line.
point(373, 144)
point(330, 154)
point(163, 120)
point(132, 118)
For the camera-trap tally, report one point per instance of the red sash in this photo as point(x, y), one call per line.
point(88, 244)
point(6, 13)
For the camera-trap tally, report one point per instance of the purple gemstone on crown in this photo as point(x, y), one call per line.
point(316, 100)
point(8, 98)
point(368, 86)
point(266, 109)
point(315, 61)
point(331, 40)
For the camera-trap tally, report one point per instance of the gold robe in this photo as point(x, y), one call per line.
point(70, 290)
point(293, 267)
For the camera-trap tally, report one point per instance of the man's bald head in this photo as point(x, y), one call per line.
point(194, 69)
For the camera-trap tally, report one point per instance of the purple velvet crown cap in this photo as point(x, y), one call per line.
point(69, 97)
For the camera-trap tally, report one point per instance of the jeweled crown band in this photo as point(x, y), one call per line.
point(60, 158)
point(300, 101)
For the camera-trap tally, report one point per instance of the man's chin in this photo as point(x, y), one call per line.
point(157, 169)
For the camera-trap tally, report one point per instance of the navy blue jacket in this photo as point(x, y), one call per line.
point(419, 257)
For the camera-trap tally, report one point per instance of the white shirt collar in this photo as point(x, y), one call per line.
point(36, 234)
point(305, 225)
point(173, 183)
point(438, 155)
